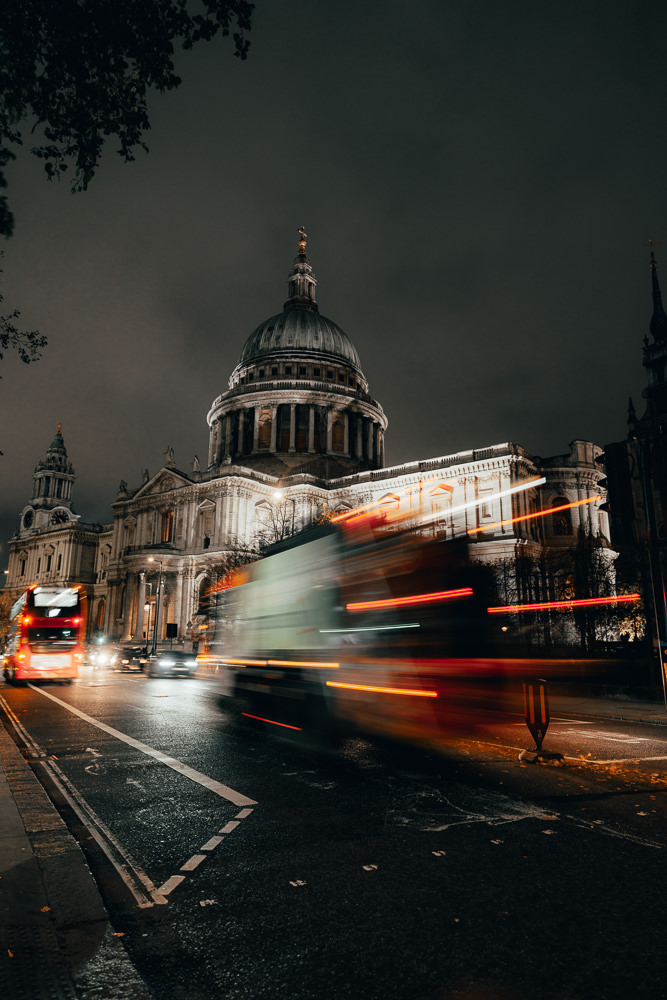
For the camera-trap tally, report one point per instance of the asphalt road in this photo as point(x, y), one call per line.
point(236, 865)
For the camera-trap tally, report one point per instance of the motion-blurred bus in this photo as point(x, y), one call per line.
point(344, 629)
point(46, 635)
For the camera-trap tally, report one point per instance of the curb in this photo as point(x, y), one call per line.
point(56, 939)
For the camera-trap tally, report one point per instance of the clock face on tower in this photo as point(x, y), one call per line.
point(59, 517)
point(28, 518)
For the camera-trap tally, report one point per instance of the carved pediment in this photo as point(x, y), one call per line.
point(163, 482)
point(206, 505)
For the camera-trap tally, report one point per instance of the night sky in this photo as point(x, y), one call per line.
point(478, 180)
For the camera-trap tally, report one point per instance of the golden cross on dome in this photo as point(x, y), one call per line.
point(302, 241)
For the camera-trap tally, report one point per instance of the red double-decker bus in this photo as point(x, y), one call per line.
point(46, 634)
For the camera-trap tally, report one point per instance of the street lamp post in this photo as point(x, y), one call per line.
point(156, 620)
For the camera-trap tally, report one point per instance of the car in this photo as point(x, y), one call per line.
point(171, 662)
point(132, 658)
point(101, 656)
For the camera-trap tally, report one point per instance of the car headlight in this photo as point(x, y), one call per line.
point(166, 663)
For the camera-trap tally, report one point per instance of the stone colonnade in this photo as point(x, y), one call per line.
point(296, 428)
point(177, 602)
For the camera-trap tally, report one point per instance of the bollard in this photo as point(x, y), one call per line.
point(536, 707)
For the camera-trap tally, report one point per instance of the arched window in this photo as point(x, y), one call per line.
point(264, 430)
point(561, 519)
point(338, 433)
point(204, 597)
point(99, 617)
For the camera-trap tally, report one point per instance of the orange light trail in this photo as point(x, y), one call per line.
point(382, 690)
point(273, 663)
point(404, 602)
point(346, 515)
point(583, 602)
point(242, 663)
point(528, 517)
point(301, 663)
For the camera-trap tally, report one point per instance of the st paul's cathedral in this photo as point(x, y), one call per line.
point(296, 437)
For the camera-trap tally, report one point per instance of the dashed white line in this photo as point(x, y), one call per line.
point(211, 844)
point(197, 859)
point(228, 827)
point(193, 862)
point(171, 883)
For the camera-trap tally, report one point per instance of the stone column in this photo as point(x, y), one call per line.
point(360, 426)
point(311, 430)
point(255, 430)
point(141, 599)
point(274, 429)
point(127, 610)
point(239, 443)
point(329, 431)
point(218, 441)
point(178, 601)
point(292, 427)
point(346, 432)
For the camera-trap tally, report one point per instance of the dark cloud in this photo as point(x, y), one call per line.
point(479, 182)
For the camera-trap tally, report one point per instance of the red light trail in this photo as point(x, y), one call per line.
point(405, 602)
point(583, 602)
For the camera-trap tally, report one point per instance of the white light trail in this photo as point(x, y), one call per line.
point(480, 500)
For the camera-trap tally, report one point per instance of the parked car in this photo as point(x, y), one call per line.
point(132, 658)
point(171, 662)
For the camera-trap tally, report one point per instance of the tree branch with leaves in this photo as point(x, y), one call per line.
point(78, 73)
point(27, 344)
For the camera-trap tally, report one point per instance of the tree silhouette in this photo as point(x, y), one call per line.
point(78, 72)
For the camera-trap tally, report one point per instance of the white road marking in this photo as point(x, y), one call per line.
point(211, 844)
point(134, 878)
point(193, 863)
point(188, 772)
point(228, 827)
point(596, 734)
point(171, 883)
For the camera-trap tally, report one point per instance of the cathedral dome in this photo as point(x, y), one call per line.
point(299, 330)
point(297, 398)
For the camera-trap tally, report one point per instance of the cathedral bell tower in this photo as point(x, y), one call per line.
point(52, 484)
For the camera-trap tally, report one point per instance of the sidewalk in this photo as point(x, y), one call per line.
point(56, 942)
